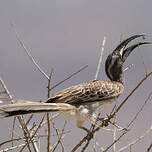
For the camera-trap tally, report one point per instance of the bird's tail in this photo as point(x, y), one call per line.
point(15, 109)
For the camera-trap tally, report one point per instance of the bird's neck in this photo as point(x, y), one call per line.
point(118, 78)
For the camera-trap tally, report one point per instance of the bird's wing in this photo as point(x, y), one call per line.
point(95, 90)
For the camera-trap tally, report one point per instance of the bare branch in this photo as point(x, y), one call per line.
point(6, 90)
point(60, 136)
point(142, 107)
point(38, 127)
point(68, 77)
point(48, 122)
point(19, 118)
point(115, 141)
point(13, 128)
point(12, 148)
point(136, 140)
point(11, 140)
point(80, 143)
point(50, 118)
point(142, 58)
point(139, 84)
point(100, 59)
point(114, 133)
point(134, 118)
point(28, 53)
point(49, 83)
point(30, 118)
point(48, 132)
point(26, 133)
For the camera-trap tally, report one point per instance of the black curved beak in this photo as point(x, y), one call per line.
point(127, 51)
point(124, 53)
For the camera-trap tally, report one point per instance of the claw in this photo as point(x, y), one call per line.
point(104, 121)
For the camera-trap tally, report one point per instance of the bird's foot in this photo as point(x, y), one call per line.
point(85, 129)
point(104, 121)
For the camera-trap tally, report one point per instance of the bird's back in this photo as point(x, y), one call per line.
point(87, 92)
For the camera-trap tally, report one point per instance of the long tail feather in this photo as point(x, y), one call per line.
point(8, 110)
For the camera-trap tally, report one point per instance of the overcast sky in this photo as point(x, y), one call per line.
point(66, 35)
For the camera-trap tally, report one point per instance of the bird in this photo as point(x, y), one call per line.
point(81, 101)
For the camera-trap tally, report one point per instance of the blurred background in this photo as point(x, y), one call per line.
point(66, 35)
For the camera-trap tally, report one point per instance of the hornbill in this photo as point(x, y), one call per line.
point(82, 100)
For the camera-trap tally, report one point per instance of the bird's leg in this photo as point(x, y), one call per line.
point(85, 129)
point(100, 118)
point(80, 125)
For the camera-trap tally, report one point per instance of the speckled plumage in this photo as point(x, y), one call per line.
point(87, 97)
point(87, 92)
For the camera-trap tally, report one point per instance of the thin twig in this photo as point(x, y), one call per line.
point(134, 118)
point(11, 140)
point(28, 53)
point(48, 133)
point(142, 107)
point(60, 136)
point(79, 144)
point(100, 58)
point(12, 148)
point(6, 90)
point(138, 85)
point(49, 83)
point(27, 134)
point(21, 121)
point(142, 58)
point(50, 118)
point(29, 119)
point(38, 127)
point(115, 141)
point(136, 140)
point(68, 77)
point(90, 135)
point(85, 147)
point(114, 134)
point(48, 122)
point(19, 117)
point(13, 128)
point(95, 143)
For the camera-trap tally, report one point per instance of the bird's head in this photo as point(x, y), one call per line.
point(115, 61)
